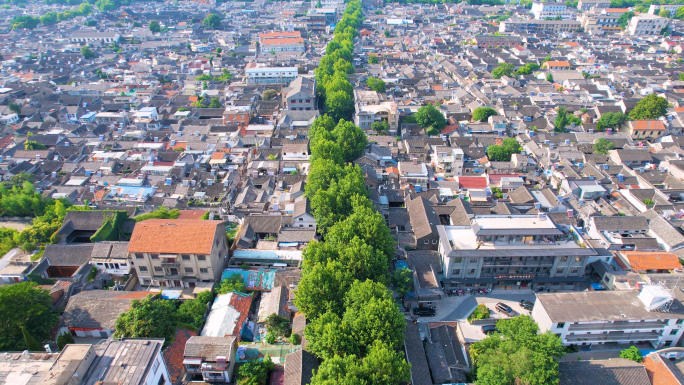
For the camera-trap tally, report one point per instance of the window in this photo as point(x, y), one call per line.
point(154, 256)
point(158, 269)
point(456, 271)
point(458, 260)
point(301, 219)
point(574, 270)
point(577, 259)
point(185, 257)
point(563, 259)
point(427, 241)
point(188, 270)
point(560, 325)
point(472, 271)
point(680, 321)
point(201, 257)
point(204, 270)
point(667, 343)
point(473, 260)
point(434, 241)
point(137, 256)
point(674, 332)
point(560, 271)
point(142, 268)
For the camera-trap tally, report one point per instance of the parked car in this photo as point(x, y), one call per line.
point(425, 311)
point(503, 308)
point(527, 305)
point(489, 329)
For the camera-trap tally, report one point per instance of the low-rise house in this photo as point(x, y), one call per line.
point(299, 367)
point(211, 358)
point(228, 315)
point(94, 313)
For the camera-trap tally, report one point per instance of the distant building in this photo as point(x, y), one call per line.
point(497, 41)
point(534, 26)
point(551, 11)
point(589, 4)
point(271, 75)
point(646, 25)
point(654, 9)
point(94, 37)
point(291, 44)
point(301, 94)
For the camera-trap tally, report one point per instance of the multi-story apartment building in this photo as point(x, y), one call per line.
point(601, 22)
point(654, 9)
point(551, 11)
point(279, 35)
point(589, 4)
point(237, 115)
point(301, 94)
point(598, 317)
point(534, 26)
point(94, 37)
point(178, 253)
point(511, 250)
point(646, 25)
point(448, 161)
point(270, 75)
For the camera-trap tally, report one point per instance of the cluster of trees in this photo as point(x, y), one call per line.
point(503, 152)
point(162, 212)
point(602, 146)
point(481, 114)
point(48, 18)
point(650, 107)
point(517, 355)
point(212, 103)
point(225, 77)
point(564, 118)
point(212, 21)
point(611, 120)
point(153, 317)
point(504, 69)
point(377, 85)
point(26, 316)
point(430, 118)
point(334, 90)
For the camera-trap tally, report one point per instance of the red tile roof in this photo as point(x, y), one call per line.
point(279, 35)
point(655, 260)
point(647, 125)
point(173, 236)
point(241, 303)
point(173, 354)
point(469, 182)
point(281, 41)
point(191, 214)
point(658, 371)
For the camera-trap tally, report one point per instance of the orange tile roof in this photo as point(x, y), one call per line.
point(285, 40)
point(571, 43)
point(679, 109)
point(655, 260)
point(191, 214)
point(218, 155)
point(173, 236)
point(558, 63)
point(173, 354)
point(390, 170)
point(241, 303)
point(647, 125)
point(617, 10)
point(658, 371)
point(278, 35)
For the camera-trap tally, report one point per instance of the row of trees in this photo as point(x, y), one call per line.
point(355, 324)
point(334, 90)
point(31, 22)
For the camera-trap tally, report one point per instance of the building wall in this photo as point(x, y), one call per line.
point(157, 372)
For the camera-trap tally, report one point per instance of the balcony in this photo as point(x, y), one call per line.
point(617, 326)
point(613, 337)
point(170, 264)
point(172, 275)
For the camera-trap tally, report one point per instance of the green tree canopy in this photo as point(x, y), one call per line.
point(403, 281)
point(255, 372)
point(429, 116)
point(503, 152)
point(339, 105)
point(376, 84)
point(321, 289)
point(327, 149)
point(155, 26)
point(269, 94)
point(373, 59)
point(518, 355)
point(481, 114)
point(148, 318)
point(88, 53)
point(549, 77)
point(650, 107)
point(564, 118)
point(212, 21)
point(527, 69)
point(233, 283)
point(611, 120)
point(504, 69)
point(664, 13)
point(381, 127)
point(602, 146)
point(382, 365)
point(351, 139)
point(24, 305)
point(632, 353)
point(192, 311)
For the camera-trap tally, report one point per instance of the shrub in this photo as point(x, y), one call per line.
point(481, 312)
point(632, 353)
